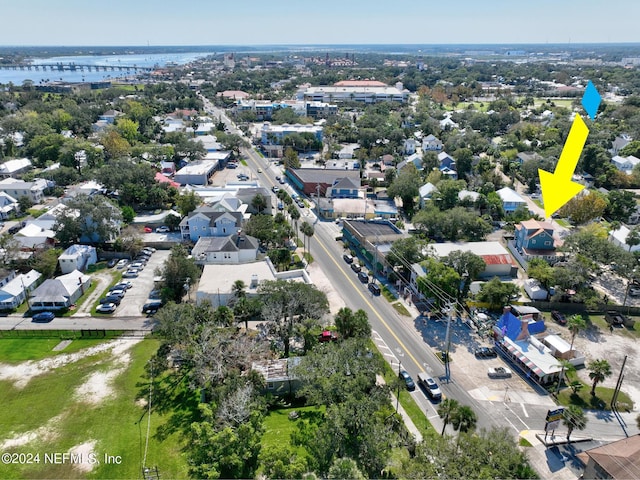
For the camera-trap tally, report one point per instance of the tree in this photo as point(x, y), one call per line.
point(24, 203)
point(575, 324)
point(179, 269)
point(88, 219)
point(496, 293)
point(621, 204)
point(633, 238)
point(583, 208)
point(290, 159)
point(350, 324)
point(286, 303)
point(238, 289)
point(467, 265)
point(345, 468)
point(599, 370)
point(308, 231)
point(281, 461)
point(188, 202)
point(128, 214)
point(259, 203)
point(115, 146)
point(446, 410)
point(464, 418)
point(405, 252)
point(446, 197)
point(574, 419)
point(223, 316)
point(128, 129)
point(542, 272)
point(439, 281)
point(262, 227)
point(294, 213)
point(130, 241)
point(406, 186)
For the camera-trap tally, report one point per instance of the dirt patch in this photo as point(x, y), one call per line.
point(83, 452)
point(613, 347)
point(22, 374)
point(45, 434)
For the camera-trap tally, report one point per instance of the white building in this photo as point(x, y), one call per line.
point(34, 190)
point(619, 237)
point(8, 206)
point(77, 257)
point(60, 292)
point(625, 164)
point(364, 91)
point(12, 168)
point(271, 134)
point(216, 282)
point(196, 173)
point(15, 292)
point(535, 291)
point(233, 249)
point(511, 200)
point(32, 236)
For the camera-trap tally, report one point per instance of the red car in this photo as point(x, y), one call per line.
point(147, 230)
point(328, 336)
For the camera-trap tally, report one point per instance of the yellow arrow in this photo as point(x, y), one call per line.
point(557, 187)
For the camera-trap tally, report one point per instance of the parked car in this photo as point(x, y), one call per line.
point(163, 229)
point(300, 203)
point(486, 352)
point(374, 288)
point(148, 230)
point(559, 317)
point(275, 189)
point(133, 273)
point(122, 263)
point(347, 258)
point(408, 381)
point(112, 263)
point(149, 250)
point(43, 317)
point(111, 299)
point(430, 386)
point(356, 267)
point(499, 372)
point(281, 181)
point(106, 308)
point(280, 206)
point(155, 294)
point(259, 170)
point(328, 336)
point(278, 178)
point(232, 165)
point(137, 265)
point(152, 307)
point(126, 285)
point(363, 277)
point(117, 292)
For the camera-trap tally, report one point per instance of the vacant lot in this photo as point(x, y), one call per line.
point(92, 401)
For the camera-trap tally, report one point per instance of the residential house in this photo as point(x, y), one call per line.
point(110, 116)
point(233, 249)
point(34, 237)
point(171, 124)
point(409, 146)
point(619, 143)
point(210, 143)
point(344, 188)
point(33, 190)
point(277, 375)
point(167, 168)
point(347, 151)
point(311, 180)
point(468, 196)
point(415, 159)
point(617, 460)
point(8, 206)
point(446, 161)
point(448, 173)
point(526, 156)
point(6, 276)
point(431, 144)
point(534, 239)
point(13, 168)
point(447, 124)
point(426, 192)
point(77, 257)
point(511, 200)
point(61, 292)
point(204, 128)
point(625, 164)
point(619, 237)
point(342, 165)
point(15, 292)
point(245, 197)
point(207, 222)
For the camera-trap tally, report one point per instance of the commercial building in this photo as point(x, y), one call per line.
point(196, 173)
point(616, 460)
point(309, 180)
point(371, 240)
point(497, 259)
point(364, 91)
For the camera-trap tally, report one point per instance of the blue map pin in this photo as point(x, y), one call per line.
point(591, 100)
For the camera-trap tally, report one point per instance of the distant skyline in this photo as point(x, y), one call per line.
point(251, 22)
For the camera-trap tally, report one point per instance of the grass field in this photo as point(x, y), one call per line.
point(16, 350)
point(278, 427)
point(401, 309)
point(50, 407)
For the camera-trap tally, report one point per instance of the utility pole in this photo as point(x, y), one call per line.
point(447, 371)
point(318, 201)
point(398, 396)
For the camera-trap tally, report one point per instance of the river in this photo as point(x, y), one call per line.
point(17, 77)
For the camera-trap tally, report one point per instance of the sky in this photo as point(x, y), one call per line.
point(296, 22)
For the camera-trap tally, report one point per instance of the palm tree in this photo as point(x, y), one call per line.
point(295, 216)
point(599, 370)
point(309, 233)
point(464, 418)
point(574, 418)
point(446, 410)
point(575, 324)
point(307, 230)
point(259, 203)
point(238, 289)
point(566, 368)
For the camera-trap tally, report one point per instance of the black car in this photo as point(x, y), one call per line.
point(111, 299)
point(112, 263)
point(559, 317)
point(408, 381)
point(356, 267)
point(363, 277)
point(373, 288)
point(152, 307)
point(347, 258)
point(485, 352)
point(43, 317)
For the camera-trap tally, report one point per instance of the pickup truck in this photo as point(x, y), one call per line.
point(499, 372)
point(617, 318)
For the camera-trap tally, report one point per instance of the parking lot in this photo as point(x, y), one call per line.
point(137, 296)
point(230, 175)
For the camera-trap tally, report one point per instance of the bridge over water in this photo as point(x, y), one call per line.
point(75, 67)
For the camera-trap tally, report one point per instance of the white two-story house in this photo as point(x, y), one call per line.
point(205, 222)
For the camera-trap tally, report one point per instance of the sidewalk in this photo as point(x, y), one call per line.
point(411, 427)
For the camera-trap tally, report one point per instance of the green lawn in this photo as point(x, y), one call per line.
point(386, 293)
point(16, 350)
point(401, 309)
point(118, 424)
point(278, 427)
point(600, 401)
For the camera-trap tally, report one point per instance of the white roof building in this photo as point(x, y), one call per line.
point(619, 237)
point(10, 168)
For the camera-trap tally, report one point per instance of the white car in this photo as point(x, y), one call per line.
point(499, 372)
point(122, 263)
point(136, 266)
point(106, 308)
point(163, 229)
point(133, 273)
